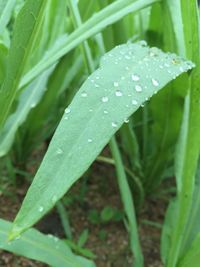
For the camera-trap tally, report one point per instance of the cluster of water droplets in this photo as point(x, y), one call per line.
point(142, 68)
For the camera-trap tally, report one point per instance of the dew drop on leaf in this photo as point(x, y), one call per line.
point(154, 82)
point(104, 99)
point(54, 199)
point(135, 77)
point(114, 124)
point(59, 151)
point(89, 140)
point(67, 110)
point(134, 102)
point(84, 94)
point(138, 88)
point(41, 209)
point(118, 93)
point(126, 120)
point(116, 84)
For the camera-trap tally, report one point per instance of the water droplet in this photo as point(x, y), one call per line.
point(118, 93)
point(54, 199)
point(104, 99)
point(138, 88)
point(154, 82)
point(134, 102)
point(127, 57)
point(89, 140)
point(96, 85)
point(114, 124)
point(126, 120)
point(116, 84)
point(41, 209)
point(84, 94)
point(181, 69)
point(67, 110)
point(90, 110)
point(143, 43)
point(135, 77)
point(59, 151)
point(33, 105)
point(105, 112)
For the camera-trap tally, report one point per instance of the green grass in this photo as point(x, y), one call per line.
point(80, 76)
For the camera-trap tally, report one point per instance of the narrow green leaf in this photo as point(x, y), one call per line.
point(192, 257)
point(45, 248)
point(6, 7)
point(128, 75)
point(128, 204)
point(95, 24)
point(189, 142)
point(28, 99)
point(25, 32)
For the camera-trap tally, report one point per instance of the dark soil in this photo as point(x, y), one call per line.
point(101, 190)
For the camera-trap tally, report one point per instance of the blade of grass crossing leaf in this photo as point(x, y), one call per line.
point(25, 31)
point(64, 219)
point(107, 98)
point(84, 47)
point(99, 21)
point(189, 143)
point(128, 204)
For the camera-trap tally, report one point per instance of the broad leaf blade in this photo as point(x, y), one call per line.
point(48, 249)
point(128, 75)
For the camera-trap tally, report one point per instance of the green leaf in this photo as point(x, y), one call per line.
point(189, 141)
point(25, 31)
point(45, 248)
point(28, 99)
point(6, 7)
point(107, 214)
point(92, 26)
point(83, 238)
point(128, 75)
point(192, 256)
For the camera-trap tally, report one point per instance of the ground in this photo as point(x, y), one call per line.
point(111, 249)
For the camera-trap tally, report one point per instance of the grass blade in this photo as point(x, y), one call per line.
point(29, 19)
point(189, 141)
point(28, 99)
point(110, 95)
point(6, 7)
point(95, 24)
point(128, 205)
point(37, 246)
